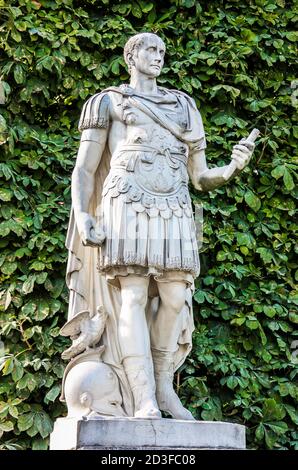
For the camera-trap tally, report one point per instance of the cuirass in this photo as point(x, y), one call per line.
point(151, 179)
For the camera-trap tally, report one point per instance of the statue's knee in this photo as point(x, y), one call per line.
point(136, 296)
point(175, 301)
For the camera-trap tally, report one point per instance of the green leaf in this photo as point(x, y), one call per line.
point(25, 421)
point(293, 297)
point(5, 194)
point(28, 285)
point(7, 426)
point(270, 438)
point(227, 89)
point(13, 411)
point(248, 35)
point(293, 317)
point(33, 431)
point(266, 254)
point(242, 238)
point(42, 311)
point(55, 305)
point(252, 324)
point(260, 432)
point(55, 287)
point(221, 255)
point(262, 335)
point(29, 308)
point(288, 180)
point(18, 371)
point(232, 382)
point(209, 280)
point(46, 62)
point(252, 200)
point(7, 366)
point(292, 412)
point(27, 381)
point(292, 36)
point(40, 444)
point(9, 268)
point(199, 297)
point(37, 266)
point(278, 172)
point(279, 427)
point(16, 35)
point(136, 11)
point(238, 321)
point(8, 300)
point(19, 74)
point(269, 311)
point(53, 393)
point(272, 410)
point(43, 423)
point(40, 278)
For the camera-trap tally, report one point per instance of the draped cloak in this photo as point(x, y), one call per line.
point(89, 288)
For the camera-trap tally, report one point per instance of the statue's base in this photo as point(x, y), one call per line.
point(97, 433)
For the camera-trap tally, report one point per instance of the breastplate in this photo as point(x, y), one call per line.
point(149, 170)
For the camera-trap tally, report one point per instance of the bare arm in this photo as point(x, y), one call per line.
point(207, 179)
point(92, 145)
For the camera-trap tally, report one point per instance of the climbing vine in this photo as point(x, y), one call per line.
point(236, 59)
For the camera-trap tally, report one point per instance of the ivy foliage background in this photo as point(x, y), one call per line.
point(236, 58)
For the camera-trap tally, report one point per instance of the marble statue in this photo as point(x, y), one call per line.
point(133, 253)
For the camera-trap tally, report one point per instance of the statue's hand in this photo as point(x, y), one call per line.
point(91, 234)
point(242, 153)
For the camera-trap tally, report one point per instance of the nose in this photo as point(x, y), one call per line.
point(158, 58)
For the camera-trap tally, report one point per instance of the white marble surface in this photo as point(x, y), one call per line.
point(133, 433)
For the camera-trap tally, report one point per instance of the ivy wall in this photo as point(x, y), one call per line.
point(236, 58)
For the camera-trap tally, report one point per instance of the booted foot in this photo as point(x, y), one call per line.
point(148, 411)
point(139, 372)
point(146, 406)
point(167, 399)
point(169, 402)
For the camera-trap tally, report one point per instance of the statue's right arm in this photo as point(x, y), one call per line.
point(93, 142)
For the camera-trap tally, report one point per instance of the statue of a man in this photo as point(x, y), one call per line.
point(132, 237)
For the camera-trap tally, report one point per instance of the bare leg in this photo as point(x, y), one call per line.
point(165, 332)
point(133, 330)
point(166, 327)
point(135, 345)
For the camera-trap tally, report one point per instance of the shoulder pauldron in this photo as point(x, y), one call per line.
point(95, 112)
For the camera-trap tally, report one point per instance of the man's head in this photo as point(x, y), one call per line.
point(145, 53)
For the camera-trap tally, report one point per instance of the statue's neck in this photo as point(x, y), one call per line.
point(143, 84)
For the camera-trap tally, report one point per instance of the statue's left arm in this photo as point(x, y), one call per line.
point(207, 179)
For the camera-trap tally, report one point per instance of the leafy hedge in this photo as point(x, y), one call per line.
point(236, 58)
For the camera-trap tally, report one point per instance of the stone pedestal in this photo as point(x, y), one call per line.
point(131, 433)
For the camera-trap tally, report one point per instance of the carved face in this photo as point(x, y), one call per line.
point(149, 58)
